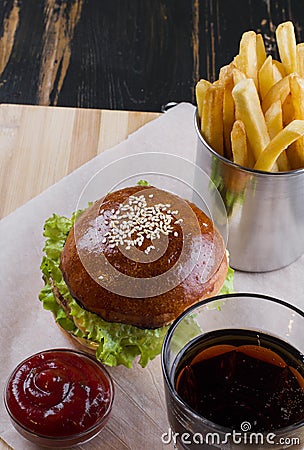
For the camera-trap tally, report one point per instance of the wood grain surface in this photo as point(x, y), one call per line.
point(40, 145)
point(125, 54)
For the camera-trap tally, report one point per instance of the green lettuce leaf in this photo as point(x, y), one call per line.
point(227, 287)
point(143, 183)
point(116, 343)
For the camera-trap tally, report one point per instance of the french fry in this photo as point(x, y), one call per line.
point(257, 104)
point(239, 144)
point(274, 122)
point(278, 91)
point(247, 61)
point(297, 94)
point(296, 152)
point(228, 116)
point(260, 51)
point(238, 76)
point(247, 101)
point(279, 66)
point(212, 117)
point(200, 91)
point(274, 119)
point(287, 46)
point(250, 155)
point(277, 74)
point(300, 59)
point(280, 142)
point(266, 77)
point(236, 60)
point(225, 74)
point(288, 110)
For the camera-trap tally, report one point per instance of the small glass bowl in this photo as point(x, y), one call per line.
point(67, 440)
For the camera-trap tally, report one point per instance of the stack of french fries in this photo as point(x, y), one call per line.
point(254, 113)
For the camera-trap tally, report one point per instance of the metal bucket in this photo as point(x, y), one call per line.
point(265, 210)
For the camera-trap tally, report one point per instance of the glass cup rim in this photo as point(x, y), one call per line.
point(62, 439)
point(167, 340)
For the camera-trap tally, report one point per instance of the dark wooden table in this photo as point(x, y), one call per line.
point(125, 54)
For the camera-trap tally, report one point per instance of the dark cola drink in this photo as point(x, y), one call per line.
point(233, 377)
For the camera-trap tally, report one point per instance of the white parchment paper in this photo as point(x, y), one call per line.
point(138, 417)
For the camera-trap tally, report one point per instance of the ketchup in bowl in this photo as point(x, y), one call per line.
point(59, 397)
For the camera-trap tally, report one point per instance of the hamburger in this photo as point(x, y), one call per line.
point(119, 272)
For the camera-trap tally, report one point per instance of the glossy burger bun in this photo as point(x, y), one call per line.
point(154, 311)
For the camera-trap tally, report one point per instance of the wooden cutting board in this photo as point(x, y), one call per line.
point(40, 145)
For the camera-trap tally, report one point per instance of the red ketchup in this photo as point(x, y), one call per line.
point(59, 393)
